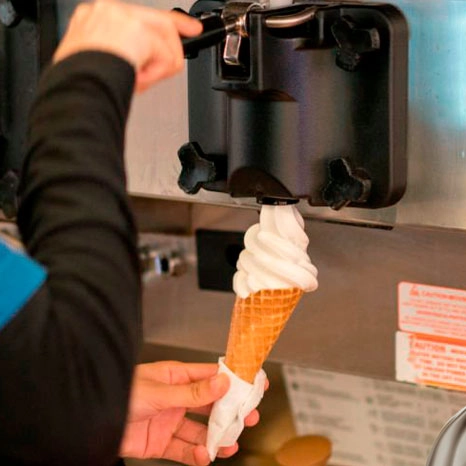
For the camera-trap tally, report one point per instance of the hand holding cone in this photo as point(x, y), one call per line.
point(274, 270)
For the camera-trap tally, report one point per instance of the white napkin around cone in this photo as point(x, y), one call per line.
point(226, 420)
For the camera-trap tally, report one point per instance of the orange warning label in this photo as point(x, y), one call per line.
point(432, 310)
point(428, 361)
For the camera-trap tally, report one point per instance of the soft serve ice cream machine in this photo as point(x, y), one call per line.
point(307, 100)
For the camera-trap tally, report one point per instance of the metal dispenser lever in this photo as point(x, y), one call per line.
point(230, 25)
point(214, 31)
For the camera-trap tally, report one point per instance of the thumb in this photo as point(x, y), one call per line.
point(196, 394)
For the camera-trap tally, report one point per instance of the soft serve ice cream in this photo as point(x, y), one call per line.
point(275, 254)
point(273, 272)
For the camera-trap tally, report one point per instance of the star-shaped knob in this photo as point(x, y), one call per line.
point(196, 169)
point(346, 185)
point(353, 42)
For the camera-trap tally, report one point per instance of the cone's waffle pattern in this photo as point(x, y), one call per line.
point(256, 324)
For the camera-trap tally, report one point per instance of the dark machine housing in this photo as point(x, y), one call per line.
point(28, 37)
point(306, 101)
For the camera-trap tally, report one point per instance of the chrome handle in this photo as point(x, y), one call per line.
point(292, 20)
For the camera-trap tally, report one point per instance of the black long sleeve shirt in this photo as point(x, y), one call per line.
point(67, 355)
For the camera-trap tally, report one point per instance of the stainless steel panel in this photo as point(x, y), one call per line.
point(436, 192)
point(161, 216)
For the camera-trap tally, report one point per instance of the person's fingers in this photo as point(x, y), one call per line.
point(202, 410)
point(250, 421)
point(104, 26)
point(252, 418)
point(190, 395)
point(201, 456)
point(186, 25)
point(163, 63)
point(186, 453)
point(166, 58)
point(175, 372)
point(226, 452)
point(163, 27)
point(147, 38)
point(192, 432)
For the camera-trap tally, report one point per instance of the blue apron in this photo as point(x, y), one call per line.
point(20, 278)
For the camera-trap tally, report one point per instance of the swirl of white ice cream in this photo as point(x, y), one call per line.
point(275, 254)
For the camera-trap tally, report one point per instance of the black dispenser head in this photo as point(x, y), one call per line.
point(305, 101)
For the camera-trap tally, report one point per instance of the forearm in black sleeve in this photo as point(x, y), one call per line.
point(66, 358)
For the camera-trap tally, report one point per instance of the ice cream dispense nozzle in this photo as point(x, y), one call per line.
point(298, 101)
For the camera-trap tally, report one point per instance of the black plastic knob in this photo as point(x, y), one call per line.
point(196, 169)
point(346, 185)
point(353, 42)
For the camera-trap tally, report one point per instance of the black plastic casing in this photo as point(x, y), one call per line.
point(281, 118)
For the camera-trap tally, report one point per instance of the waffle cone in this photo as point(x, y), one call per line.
point(256, 324)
